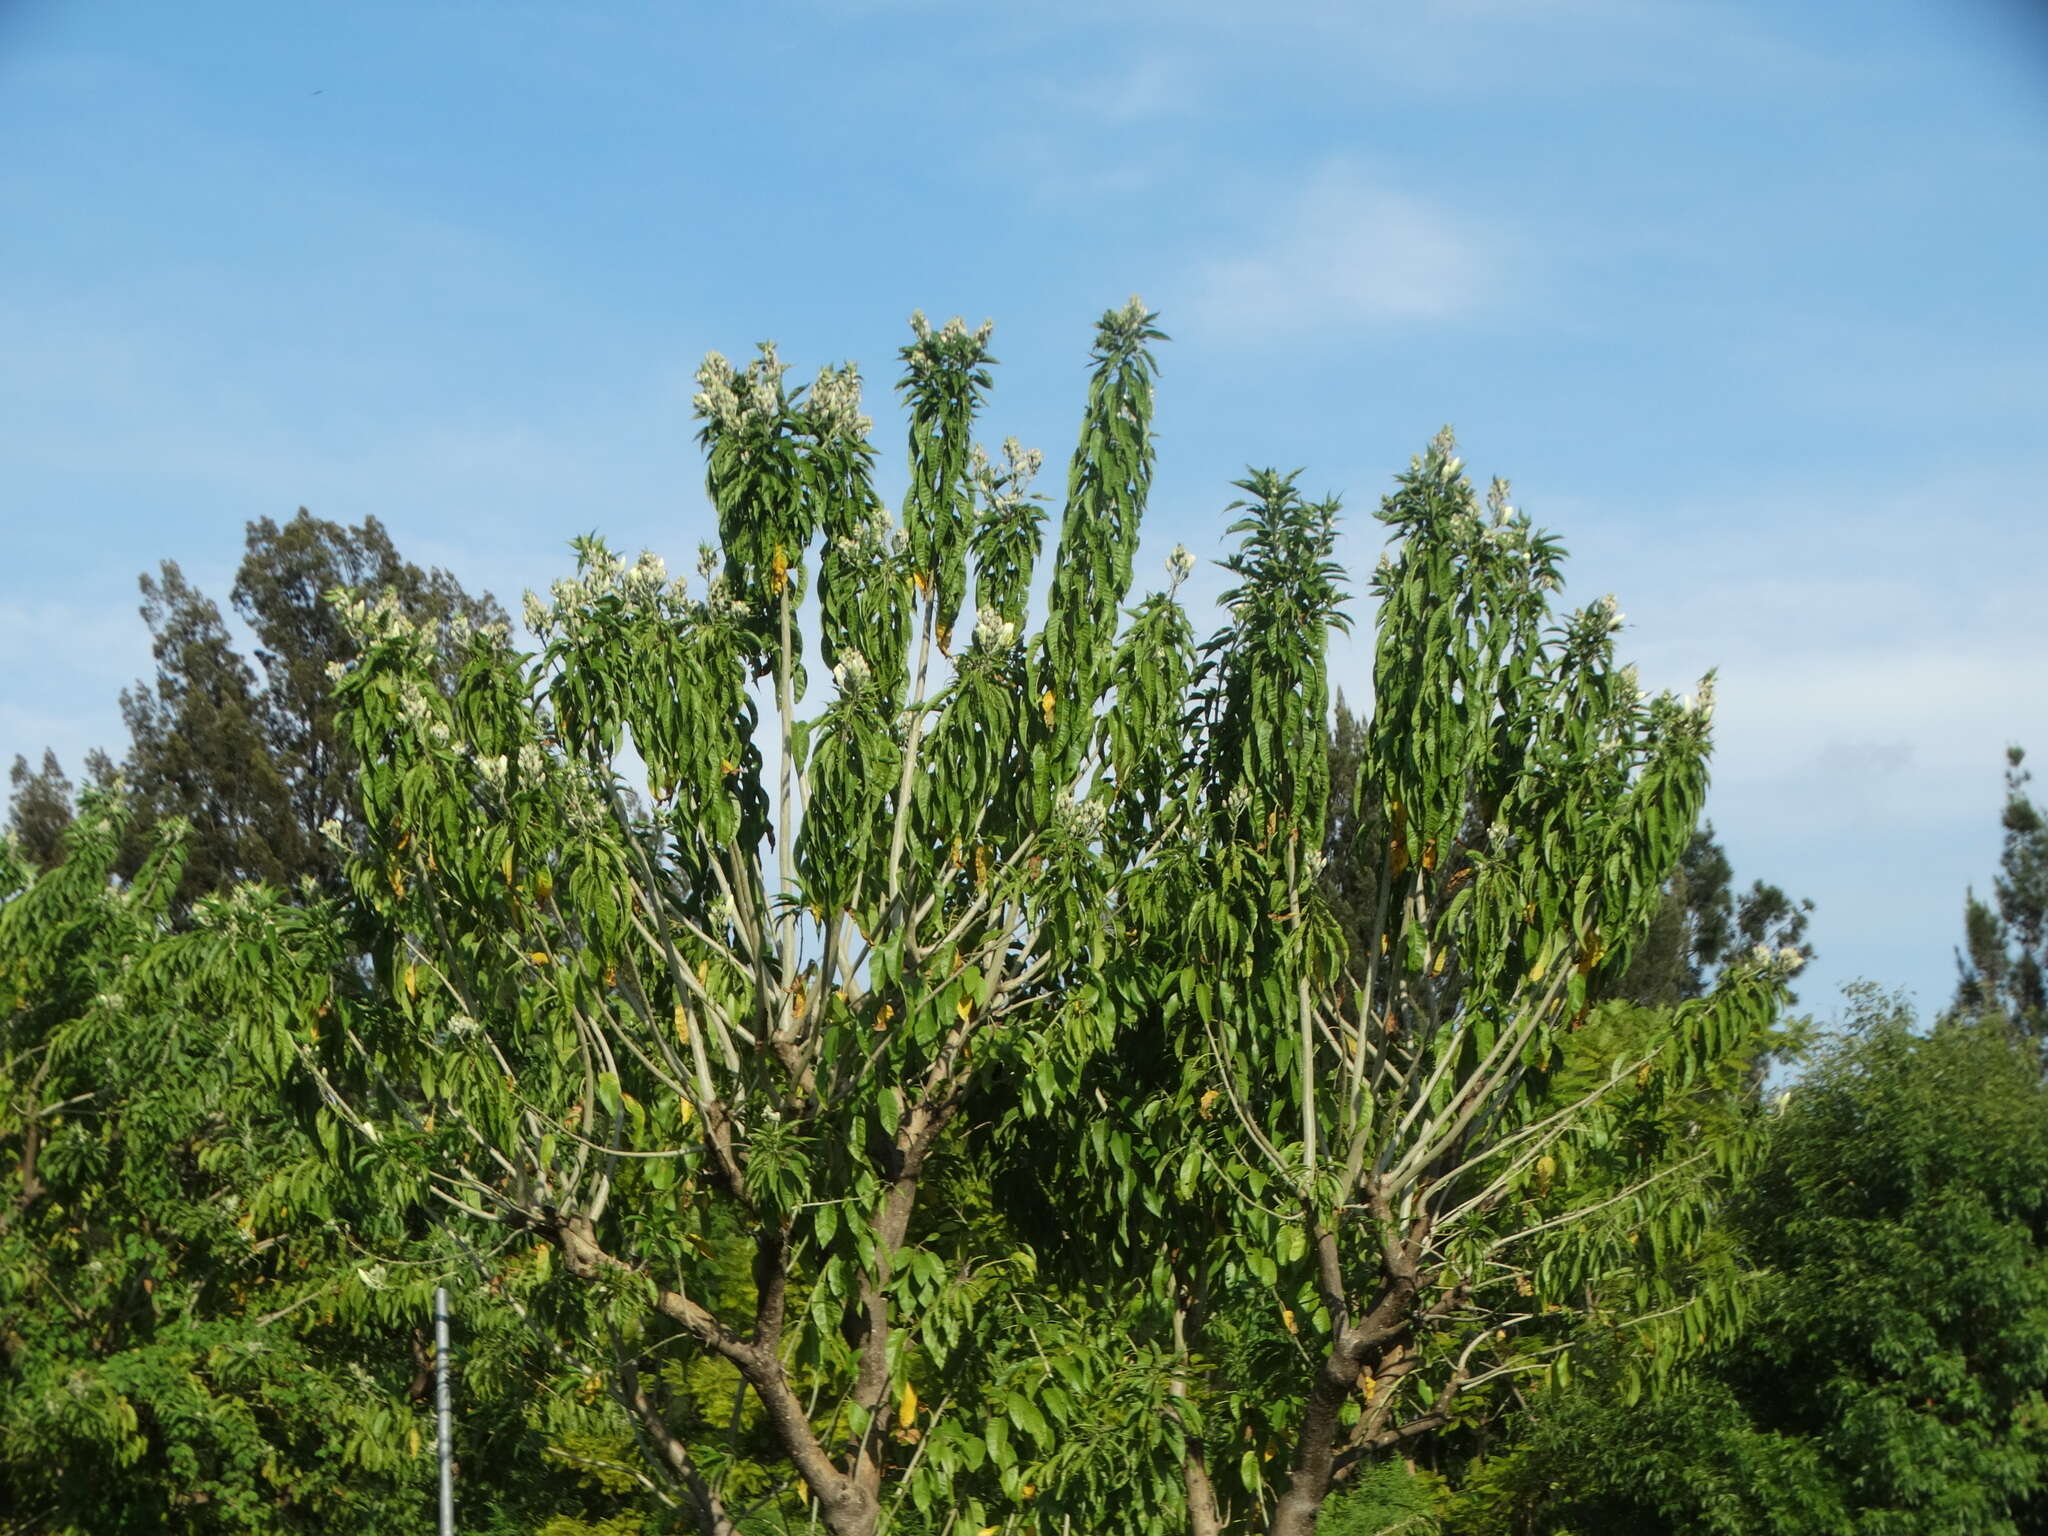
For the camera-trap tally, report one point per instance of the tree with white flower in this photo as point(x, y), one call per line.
point(701, 1038)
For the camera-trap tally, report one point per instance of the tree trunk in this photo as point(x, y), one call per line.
point(1315, 1456)
point(1203, 1519)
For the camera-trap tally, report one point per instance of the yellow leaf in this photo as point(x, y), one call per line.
point(1287, 1320)
point(1028, 1491)
point(505, 865)
point(884, 1015)
point(1046, 700)
point(1546, 1167)
point(780, 566)
point(1536, 971)
point(682, 1024)
point(412, 1441)
point(411, 977)
point(906, 1409)
point(1209, 1101)
point(686, 1109)
point(728, 766)
point(964, 1008)
point(1442, 959)
point(538, 957)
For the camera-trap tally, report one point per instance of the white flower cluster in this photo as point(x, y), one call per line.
point(1008, 486)
point(1497, 501)
point(493, 770)
point(732, 401)
point(871, 539)
point(462, 1025)
point(414, 704)
point(647, 577)
point(1082, 819)
point(835, 403)
point(336, 671)
point(1701, 703)
point(533, 762)
point(1180, 565)
point(993, 632)
point(851, 672)
point(372, 621)
point(954, 329)
point(1610, 611)
point(1786, 959)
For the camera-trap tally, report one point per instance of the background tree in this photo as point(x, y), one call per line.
point(40, 805)
point(193, 1332)
point(2004, 959)
point(281, 592)
point(198, 749)
point(1891, 1376)
point(249, 757)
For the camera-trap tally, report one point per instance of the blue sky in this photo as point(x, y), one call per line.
point(1745, 299)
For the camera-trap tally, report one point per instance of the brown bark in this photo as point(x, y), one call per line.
point(1380, 1333)
point(847, 1508)
point(1204, 1518)
point(1315, 1455)
point(705, 1504)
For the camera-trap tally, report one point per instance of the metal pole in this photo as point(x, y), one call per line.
point(441, 1411)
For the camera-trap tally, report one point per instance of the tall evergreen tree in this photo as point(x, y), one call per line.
point(281, 592)
point(39, 809)
point(198, 749)
point(2004, 961)
point(1701, 926)
point(248, 754)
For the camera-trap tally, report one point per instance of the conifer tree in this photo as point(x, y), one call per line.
point(2004, 958)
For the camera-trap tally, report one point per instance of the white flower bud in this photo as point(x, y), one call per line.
point(535, 614)
point(851, 672)
point(1180, 565)
point(647, 577)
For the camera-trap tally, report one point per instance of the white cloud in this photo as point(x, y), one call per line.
point(1348, 252)
point(1152, 85)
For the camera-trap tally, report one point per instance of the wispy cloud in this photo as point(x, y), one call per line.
point(1149, 86)
point(1348, 251)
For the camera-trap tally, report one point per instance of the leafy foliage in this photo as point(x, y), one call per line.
point(1891, 1376)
